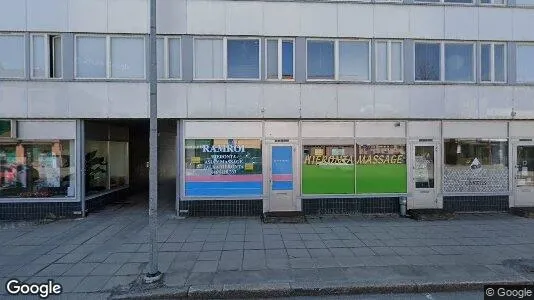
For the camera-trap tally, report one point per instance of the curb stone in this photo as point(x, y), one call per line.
point(230, 291)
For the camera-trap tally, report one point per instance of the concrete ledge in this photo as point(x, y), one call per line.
point(286, 289)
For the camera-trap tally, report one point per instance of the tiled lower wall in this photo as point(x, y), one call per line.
point(39, 210)
point(375, 205)
point(199, 208)
point(476, 203)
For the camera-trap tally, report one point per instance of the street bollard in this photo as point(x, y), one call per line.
point(403, 203)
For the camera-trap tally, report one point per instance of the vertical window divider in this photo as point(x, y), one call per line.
point(442, 61)
point(336, 59)
point(475, 64)
point(108, 57)
point(388, 60)
point(47, 54)
point(492, 62)
point(224, 58)
point(280, 60)
point(166, 57)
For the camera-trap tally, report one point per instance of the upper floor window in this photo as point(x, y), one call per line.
point(110, 57)
point(338, 60)
point(208, 58)
point(524, 62)
point(46, 56)
point(492, 62)
point(389, 61)
point(494, 2)
point(280, 59)
point(12, 56)
point(447, 1)
point(169, 58)
point(242, 59)
point(451, 61)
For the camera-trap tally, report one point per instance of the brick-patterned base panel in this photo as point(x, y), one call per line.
point(201, 208)
point(378, 205)
point(100, 202)
point(39, 211)
point(476, 203)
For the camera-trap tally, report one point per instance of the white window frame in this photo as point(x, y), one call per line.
point(225, 58)
point(492, 3)
point(492, 62)
point(24, 50)
point(388, 54)
point(473, 2)
point(442, 61)
point(108, 57)
point(336, 58)
point(529, 44)
point(280, 58)
point(47, 55)
point(166, 57)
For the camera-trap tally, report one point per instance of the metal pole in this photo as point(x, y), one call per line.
point(153, 274)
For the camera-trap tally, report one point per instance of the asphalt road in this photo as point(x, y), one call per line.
point(471, 295)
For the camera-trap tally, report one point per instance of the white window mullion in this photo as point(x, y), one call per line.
point(388, 62)
point(108, 57)
point(492, 64)
point(47, 53)
point(442, 61)
point(279, 59)
point(166, 58)
point(475, 63)
point(336, 60)
point(225, 60)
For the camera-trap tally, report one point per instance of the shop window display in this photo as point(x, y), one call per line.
point(96, 167)
point(342, 169)
point(381, 169)
point(107, 166)
point(223, 167)
point(328, 170)
point(473, 166)
point(37, 169)
point(118, 164)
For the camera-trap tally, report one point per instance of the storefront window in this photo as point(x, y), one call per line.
point(107, 166)
point(118, 164)
point(328, 170)
point(380, 169)
point(475, 166)
point(223, 167)
point(96, 167)
point(5, 128)
point(37, 169)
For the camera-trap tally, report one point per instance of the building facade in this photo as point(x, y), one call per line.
point(270, 106)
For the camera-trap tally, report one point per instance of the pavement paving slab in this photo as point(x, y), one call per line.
point(104, 254)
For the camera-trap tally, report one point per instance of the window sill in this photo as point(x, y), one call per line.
point(93, 196)
point(38, 200)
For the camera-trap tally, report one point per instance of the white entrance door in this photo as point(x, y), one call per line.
point(524, 174)
point(282, 177)
point(424, 183)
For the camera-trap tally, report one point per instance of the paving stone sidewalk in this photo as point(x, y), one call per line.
point(102, 255)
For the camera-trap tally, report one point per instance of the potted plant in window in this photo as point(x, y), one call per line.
point(95, 166)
